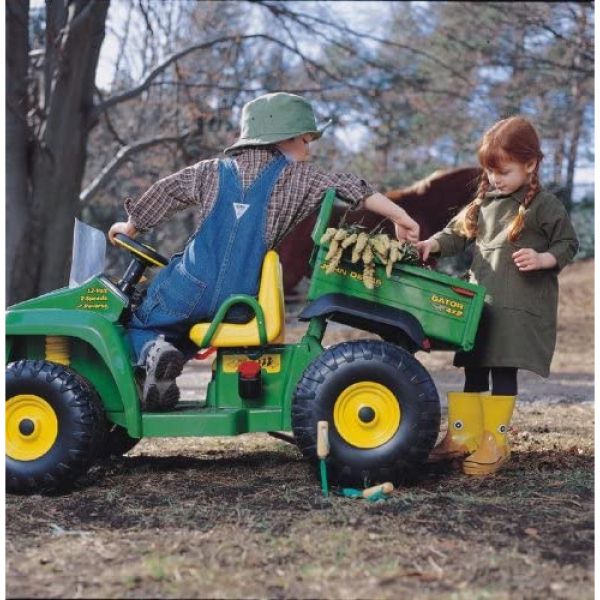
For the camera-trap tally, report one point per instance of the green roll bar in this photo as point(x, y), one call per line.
point(239, 298)
point(324, 216)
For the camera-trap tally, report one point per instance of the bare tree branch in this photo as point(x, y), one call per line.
point(535, 21)
point(282, 22)
point(132, 93)
point(145, 84)
point(279, 8)
point(109, 123)
point(124, 154)
point(257, 90)
point(414, 82)
point(122, 45)
point(146, 17)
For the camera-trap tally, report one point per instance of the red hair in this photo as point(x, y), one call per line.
point(516, 140)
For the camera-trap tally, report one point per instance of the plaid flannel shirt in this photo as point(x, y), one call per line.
point(297, 192)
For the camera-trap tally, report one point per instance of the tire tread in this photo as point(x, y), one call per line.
point(80, 398)
point(306, 403)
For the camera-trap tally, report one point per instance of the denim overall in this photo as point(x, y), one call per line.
point(223, 257)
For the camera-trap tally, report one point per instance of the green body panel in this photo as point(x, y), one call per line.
point(83, 358)
point(195, 422)
point(449, 319)
point(98, 349)
point(225, 412)
point(98, 296)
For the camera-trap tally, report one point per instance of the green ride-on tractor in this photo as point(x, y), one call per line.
point(72, 395)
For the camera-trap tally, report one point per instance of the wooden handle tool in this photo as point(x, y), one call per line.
point(322, 439)
point(384, 488)
point(323, 453)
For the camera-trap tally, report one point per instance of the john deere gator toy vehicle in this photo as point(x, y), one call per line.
point(72, 396)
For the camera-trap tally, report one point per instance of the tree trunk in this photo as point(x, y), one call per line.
point(513, 101)
point(579, 102)
point(559, 157)
point(59, 156)
point(17, 185)
point(573, 148)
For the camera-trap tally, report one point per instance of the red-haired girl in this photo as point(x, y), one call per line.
point(522, 238)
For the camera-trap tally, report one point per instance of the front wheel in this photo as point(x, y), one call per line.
point(382, 408)
point(54, 426)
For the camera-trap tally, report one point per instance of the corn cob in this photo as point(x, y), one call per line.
point(334, 262)
point(386, 241)
point(351, 239)
point(388, 268)
point(380, 246)
point(382, 258)
point(340, 234)
point(361, 242)
point(394, 257)
point(367, 255)
point(333, 248)
point(328, 235)
point(394, 252)
point(369, 276)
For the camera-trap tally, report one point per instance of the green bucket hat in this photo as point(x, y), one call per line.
point(276, 117)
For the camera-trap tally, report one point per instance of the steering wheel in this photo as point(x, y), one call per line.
point(147, 255)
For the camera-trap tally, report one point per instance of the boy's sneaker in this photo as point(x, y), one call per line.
point(164, 364)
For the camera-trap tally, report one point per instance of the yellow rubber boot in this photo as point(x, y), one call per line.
point(493, 449)
point(465, 427)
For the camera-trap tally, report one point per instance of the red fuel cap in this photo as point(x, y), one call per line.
point(249, 369)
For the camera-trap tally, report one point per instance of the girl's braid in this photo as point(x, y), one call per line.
point(468, 223)
point(519, 221)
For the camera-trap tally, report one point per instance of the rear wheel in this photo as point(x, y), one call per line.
point(382, 408)
point(54, 426)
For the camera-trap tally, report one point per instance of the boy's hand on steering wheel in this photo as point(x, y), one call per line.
point(127, 228)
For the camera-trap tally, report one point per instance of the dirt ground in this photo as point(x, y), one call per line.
point(244, 517)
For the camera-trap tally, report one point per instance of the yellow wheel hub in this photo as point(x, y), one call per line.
point(31, 427)
point(366, 414)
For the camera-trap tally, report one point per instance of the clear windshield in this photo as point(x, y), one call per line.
point(89, 253)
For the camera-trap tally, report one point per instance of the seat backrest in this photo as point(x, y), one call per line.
point(270, 295)
point(270, 299)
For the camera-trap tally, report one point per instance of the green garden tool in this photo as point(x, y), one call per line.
point(372, 494)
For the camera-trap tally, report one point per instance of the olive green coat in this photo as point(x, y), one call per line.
point(518, 324)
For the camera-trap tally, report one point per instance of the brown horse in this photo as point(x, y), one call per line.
point(432, 202)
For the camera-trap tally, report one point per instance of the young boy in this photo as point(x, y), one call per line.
point(248, 202)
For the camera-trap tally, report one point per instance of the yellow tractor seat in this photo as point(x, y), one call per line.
point(270, 299)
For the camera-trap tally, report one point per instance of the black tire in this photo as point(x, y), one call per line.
point(75, 418)
point(349, 363)
point(116, 442)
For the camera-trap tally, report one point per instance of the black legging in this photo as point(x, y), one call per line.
point(504, 380)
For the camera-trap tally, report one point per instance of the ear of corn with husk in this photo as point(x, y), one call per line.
point(366, 247)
